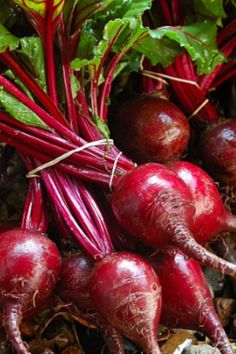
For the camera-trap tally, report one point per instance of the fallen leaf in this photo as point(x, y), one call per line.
point(176, 340)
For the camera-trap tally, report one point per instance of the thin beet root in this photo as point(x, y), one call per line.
point(74, 286)
point(187, 302)
point(159, 211)
point(210, 216)
point(30, 264)
point(127, 293)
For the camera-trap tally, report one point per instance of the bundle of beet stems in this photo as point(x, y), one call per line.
point(65, 145)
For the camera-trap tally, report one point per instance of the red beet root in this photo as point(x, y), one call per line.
point(74, 286)
point(127, 292)
point(149, 128)
point(187, 302)
point(210, 217)
point(158, 209)
point(30, 264)
point(218, 152)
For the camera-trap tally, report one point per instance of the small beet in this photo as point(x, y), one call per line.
point(218, 152)
point(151, 129)
point(211, 217)
point(159, 210)
point(30, 264)
point(127, 293)
point(187, 302)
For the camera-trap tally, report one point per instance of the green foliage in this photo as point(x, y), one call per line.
point(18, 110)
point(39, 7)
point(7, 40)
point(198, 39)
point(31, 52)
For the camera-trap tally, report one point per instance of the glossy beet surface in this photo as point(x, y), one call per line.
point(149, 201)
point(127, 292)
point(187, 302)
point(148, 128)
point(218, 152)
point(153, 204)
point(74, 287)
point(210, 217)
point(30, 264)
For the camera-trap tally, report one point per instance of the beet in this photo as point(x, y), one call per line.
point(148, 128)
point(74, 287)
point(127, 293)
point(187, 302)
point(218, 151)
point(210, 216)
point(30, 264)
point(158, 209)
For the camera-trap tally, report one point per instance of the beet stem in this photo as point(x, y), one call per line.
point(13, 317)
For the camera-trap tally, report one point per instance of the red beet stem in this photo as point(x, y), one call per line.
point(13, 317)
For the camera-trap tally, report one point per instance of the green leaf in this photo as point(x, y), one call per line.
point(111, 30)
point(87, 41)
point(197, 39)
point(125, 8)
point(19, 83)
point(131, 33)
point(213, 8)
point(102, 126)
point(69, 9)
point(160, 50)
point(126, 32)
point(75, 86)
point(39, 7)
point(19, 111)
point(5, 11)
point(31, 52)
point(86, 8)
point(115, 29)
point(7, 40)
point(96, 52)
point(91, 64)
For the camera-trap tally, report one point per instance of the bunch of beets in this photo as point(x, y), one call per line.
point(134, 213)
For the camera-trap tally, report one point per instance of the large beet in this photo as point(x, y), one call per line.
point(148, 128)
point(73, 286)
point(187, 302)
point(30, 264)
point(127, 292)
